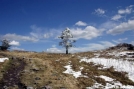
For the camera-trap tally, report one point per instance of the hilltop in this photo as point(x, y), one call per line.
point(109, 68)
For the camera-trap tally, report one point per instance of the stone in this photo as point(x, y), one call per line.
point(37, 78)
point(30, 87)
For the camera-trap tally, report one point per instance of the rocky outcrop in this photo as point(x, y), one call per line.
point(123, 46)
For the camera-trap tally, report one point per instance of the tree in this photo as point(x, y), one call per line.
point(66, 41)
point(5, 44)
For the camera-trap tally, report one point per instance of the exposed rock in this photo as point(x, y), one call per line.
point(123, 46)
point(37, 78)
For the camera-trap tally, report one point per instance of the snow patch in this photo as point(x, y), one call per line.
point(116, 85)
point(106, 78)
point(75, 74)
point(3, 59)
point(117, 54)
point(119, 65)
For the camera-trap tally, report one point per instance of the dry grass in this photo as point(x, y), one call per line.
point(50, 67)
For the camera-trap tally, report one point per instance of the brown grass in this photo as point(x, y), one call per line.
point(50, 68)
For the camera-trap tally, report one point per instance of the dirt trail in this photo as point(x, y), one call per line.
point(12, 75)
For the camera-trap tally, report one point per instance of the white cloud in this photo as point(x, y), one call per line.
point(80, 23)
point(86, 47)
point(125, 11)
point(109, 24)
point(19, 37)
point(128, 10)
point(99, 46)
point(35, 35)
point(48, 35)
point(116, 17)
point(132, 42)
point(54, 49)
point(44, 33)
point(107, 44)
point(35, 28)
point(16, 48)
point(125, 26)
point(15, 43)
point(39, 32)
point(88, 32)
point(100, 11)
point(53, 46)
point(121, 40)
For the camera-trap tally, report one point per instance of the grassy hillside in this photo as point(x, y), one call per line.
point(37, 70)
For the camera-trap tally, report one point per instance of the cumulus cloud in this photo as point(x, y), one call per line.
point(14, 43)
point(99, 11)
point(35, 35)
point(54, 49)
point(41, 33)
point(48, 35)
point(100, 45)
point(132, 42)
point(121, 40)
point(109, 24)
point(122, 13)
point(80, 23)
point(16, 48)
point(125, 26)
point(116, 17)
point(107, 44)
point(128, 10)
point(88, 32)
point(86, 47)
point(18, 37)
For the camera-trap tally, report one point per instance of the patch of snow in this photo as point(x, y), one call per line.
point(72, 55)
point(97, 54)
point(116, 85)
point(106, 78)
point(123, 53)
point(75, 74)
point(117, 54)
point(119, 65)
point(3, 59)
point(69, 62)
point(57, 60)
point(95, 86)
point(81, 68)
point(129, 59)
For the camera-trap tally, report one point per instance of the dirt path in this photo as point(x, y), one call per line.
point(12, 75)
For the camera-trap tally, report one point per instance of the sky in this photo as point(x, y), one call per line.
point(34, 25)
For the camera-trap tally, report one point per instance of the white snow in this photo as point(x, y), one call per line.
point(3, 59)
point(119, 65)
point(75, 74)
point(111, 84)
point(97, 54)
point(95, 86)
point(117, 54)
point(106, 78)
point(116, 85)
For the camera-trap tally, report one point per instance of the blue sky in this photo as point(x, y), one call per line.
point(34, 25)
